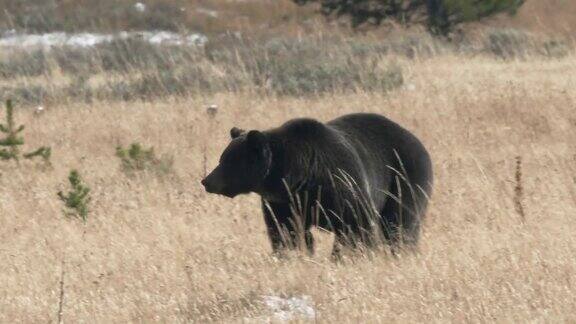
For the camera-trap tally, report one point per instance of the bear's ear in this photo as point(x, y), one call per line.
point(255, 139)
point(235, 132)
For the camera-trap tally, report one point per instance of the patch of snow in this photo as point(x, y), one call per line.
point(287, 309)
point(140, 7)
point(196, 39)
point(208, 12)
point(164, 37)
point(14, 39)
point(86, 39)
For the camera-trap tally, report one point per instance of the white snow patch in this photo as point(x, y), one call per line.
point(140, 7)
point(286, 309)
point(15, 39)
point(207, 12)
point(164, 37)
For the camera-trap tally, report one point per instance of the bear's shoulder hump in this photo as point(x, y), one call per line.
point(303, 127)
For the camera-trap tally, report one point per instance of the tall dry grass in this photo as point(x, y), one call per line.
point(161, 250)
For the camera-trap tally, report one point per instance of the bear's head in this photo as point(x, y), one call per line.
point(243, 166)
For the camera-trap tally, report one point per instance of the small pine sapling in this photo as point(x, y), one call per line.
point(43, 152)
point(136, 158)
point(10, 144)
point(77, 199)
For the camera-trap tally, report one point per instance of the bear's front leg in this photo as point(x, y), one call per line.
point(285, 230)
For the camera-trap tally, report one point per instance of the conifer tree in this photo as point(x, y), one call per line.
point(440, 16)
point(13, 140)
point(9, 145)
point(77, 199)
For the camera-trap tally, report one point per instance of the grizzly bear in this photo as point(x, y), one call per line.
point(360, 176)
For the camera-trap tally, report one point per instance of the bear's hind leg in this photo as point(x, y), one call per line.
point(402, 214)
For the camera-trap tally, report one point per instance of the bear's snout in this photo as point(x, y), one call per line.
point(211, 184)
point(207, 185)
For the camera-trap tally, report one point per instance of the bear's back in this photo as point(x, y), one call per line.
point(303, 129)
point(383, 143)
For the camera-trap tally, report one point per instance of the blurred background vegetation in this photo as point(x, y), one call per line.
point(275, 47)
point(217, 16)
point(440, 16)
point(204, 16)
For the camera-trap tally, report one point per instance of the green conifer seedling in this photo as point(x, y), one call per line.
point(136, 158)
point(10, 144)
point(77, 199)
point(43, 152)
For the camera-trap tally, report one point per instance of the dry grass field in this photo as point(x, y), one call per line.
point(159, 249)
point(497, 113)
